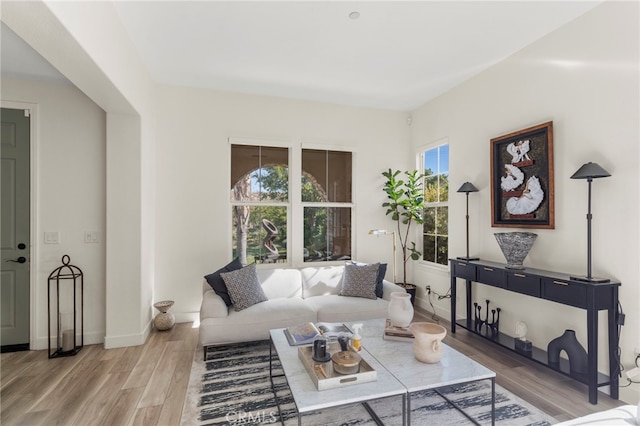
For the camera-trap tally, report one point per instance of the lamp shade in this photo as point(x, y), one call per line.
point(467, 187)
point(590, 171)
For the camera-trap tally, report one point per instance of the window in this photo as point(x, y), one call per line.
point(435, 233)
point(261, 204)
point(326, 200)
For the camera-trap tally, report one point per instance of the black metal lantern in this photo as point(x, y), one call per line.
point(66, 321)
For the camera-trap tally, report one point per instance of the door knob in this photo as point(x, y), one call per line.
point(21, 259)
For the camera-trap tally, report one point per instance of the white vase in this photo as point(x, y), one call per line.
point(400, 310)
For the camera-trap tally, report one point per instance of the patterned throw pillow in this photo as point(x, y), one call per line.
point(244, 287)
point(360, 280)
point(216, 282)
point(382, 271)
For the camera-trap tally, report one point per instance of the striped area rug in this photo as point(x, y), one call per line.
point(232, 387)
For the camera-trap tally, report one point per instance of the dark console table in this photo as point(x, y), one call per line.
point(553, 286)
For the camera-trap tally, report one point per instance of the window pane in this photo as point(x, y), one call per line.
point(444, 159)
point(259, 173)
point(339, 181)
point(431, 162)
point(431, 189)
point(429, 226)
point(443, 181)
point(260, 234)
point(442, 250)
point(327, 233)
point(326, 176)
point(442, 223)
point(429, 248)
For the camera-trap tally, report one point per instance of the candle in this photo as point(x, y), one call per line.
point(68, 343)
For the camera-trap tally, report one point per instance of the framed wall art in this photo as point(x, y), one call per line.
point(522, 178)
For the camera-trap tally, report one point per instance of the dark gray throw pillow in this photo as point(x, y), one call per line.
point(217, 283)
point(244, 287)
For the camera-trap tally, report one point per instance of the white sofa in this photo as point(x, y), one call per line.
point(295, 296)
point(626, 415)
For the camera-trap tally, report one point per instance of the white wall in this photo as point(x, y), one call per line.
point(583, 77)
point(70, 198)
point(193, 227)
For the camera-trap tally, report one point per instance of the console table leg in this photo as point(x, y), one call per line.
point(453, 303)
point(614, 362)
point(592, 346)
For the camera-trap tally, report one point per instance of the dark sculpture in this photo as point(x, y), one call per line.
point(492, 326)
point(575, 352)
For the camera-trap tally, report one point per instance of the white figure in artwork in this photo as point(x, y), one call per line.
point(513, 178)
point(529, 200)
point(519, 151)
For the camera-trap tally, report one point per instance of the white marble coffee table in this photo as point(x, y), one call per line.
point(398, 373)
point(397, 357)
point(308, 398)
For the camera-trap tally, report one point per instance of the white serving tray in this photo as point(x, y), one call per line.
point(323, 375)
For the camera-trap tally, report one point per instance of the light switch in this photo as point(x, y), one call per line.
point(52, 237)
point(90, 236)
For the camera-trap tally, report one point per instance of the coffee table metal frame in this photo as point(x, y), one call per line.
point(389, 358)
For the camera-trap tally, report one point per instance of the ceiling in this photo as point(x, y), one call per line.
point(397, 55)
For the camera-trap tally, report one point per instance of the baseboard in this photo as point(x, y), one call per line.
point(94, 338)
point(111, 342)
point(193, 317)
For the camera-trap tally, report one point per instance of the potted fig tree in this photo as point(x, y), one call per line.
point(405, 205)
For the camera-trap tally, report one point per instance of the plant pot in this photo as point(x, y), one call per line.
point(411, 289)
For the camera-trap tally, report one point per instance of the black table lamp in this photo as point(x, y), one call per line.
point(468, 187)
point(590, 171)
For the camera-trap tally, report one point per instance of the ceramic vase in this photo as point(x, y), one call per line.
point(427, 344)
point(576, 353)
point(400, 310)
point(165, 319)
point(515, 246)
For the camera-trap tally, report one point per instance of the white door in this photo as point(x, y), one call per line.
point(14, 235)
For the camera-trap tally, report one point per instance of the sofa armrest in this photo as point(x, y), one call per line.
point(388, 287)
point(213, 306)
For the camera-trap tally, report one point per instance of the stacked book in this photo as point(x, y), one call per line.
point(401, 334)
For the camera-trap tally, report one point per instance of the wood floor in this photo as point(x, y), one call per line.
point(146, 385)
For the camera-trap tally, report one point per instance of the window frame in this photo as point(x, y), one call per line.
point(295, 205)
point(420, 160)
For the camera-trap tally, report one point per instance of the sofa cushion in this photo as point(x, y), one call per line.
point(255, 322)
point(360, 280)
point(217, 283)
point(322, 280)
point(244, 287)
point(335, 308)
point(280, 282)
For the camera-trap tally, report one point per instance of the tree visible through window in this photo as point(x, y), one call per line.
point(435, 238)
point(261, 204)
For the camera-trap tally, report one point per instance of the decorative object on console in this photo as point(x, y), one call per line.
point(520, 342)
point(575, 352)
point(405, 205)
point(426, 346)
point(589, 171)
point(515, 246)
point(165, 319)
point(400, 310)
point(493, 325)
point(522, 192)
point(468, 187)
